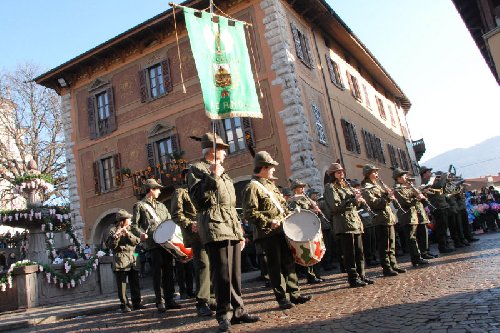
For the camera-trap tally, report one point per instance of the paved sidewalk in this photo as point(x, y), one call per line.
point(458, 292)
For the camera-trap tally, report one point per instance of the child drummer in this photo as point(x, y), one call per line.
point(264, 207)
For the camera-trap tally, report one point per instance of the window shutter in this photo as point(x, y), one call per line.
point(151, 155)
point(331, 70)
point(175, 145)
point(309, 53)
point(112, 113)
point(346, 135)
point(167, 78)
point(338, 77)
point(143, 86)
point(246, 124)
point(356, 141)
point(118, 166)
point(296, 39)
point(97, 178)
point(349, 80)
point(91, 116)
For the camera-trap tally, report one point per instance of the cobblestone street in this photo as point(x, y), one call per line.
point(458, 292)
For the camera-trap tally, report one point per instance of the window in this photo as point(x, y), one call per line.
point(101, 113)
point(367, 97)
point(237, 133)
point(333, 68)
point(107, 174)
point(350, 136)
point(380, 106)
point(302, 47)
point(391, 114)
point(162, 147)
point(404, 161)
point(374, 148)
point(155, 81)
point(164, 150)
point(319, 124)
point(353, 84)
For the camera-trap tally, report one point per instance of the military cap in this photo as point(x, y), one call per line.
point(263, 158)
point(355, 182)
point(334, 167)
point(121, 215)
point(152, 184)
point(315, 190)
point(286, 192)
point(398, 172)
point(207, 141)
point(297, 183)
point(424, 169)
point(367, 168)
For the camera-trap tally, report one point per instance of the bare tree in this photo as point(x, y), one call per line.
point(30, 127)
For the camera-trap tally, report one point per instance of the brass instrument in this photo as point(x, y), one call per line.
point(364, 204)
point(419, 193)
point(390, 193)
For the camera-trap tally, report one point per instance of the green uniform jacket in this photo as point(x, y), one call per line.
point(215, 200)
point(325, 222)
point(142, 220)
point(123, 250)
point(184, 215)
point(452, 203)
point(461, 201)
point(299, 201)
point(259, 210)
point(421, 213)
point(406, 198)
point(341, 202)
point(379, 202)
point(437, 199)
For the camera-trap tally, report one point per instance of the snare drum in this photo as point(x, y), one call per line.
point(169, 236)
point(304, 237)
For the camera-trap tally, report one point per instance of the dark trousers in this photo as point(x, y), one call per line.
point(386, 242)
point(135, 289)
point(410, 232)
point(370, 243)
point(225, 257)
point(184, 273)
point(423, 238)
point(202, 273)
point(441, 225)
point(466, 227)
point(354, 258)
point(163, 275)
point(453, 225)
point(281, 266)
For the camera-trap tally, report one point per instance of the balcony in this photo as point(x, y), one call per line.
point(419, 148)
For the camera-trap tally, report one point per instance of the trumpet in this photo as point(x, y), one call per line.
point(390, 193)
point(364, 204)
point(418, 193)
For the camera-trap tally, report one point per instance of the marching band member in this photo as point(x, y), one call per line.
point(264, 207)
point(408, 219)
point(379, 199)
point(213, 194)
point(299, 199)
point(123, 244)
point(343, 201)
point(147, 216)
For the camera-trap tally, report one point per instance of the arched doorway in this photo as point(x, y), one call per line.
point(101, 229)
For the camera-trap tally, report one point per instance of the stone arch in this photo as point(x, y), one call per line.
point(100, 230)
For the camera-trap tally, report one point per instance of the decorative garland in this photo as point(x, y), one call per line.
point(6, 280)
point(32, 177)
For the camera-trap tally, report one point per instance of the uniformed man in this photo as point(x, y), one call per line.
point(147, 216)
point(299, 199)
point(379, 199)
point(184, 214)
point(123, 244)
point(408, 217)
point(213, 194)
point(264, 207)
point(343, 202)
point(438, 200)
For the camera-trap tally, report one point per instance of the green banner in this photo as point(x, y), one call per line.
point(223, 65)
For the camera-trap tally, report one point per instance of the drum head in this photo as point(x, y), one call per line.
point(302, 226)
point(164, 232)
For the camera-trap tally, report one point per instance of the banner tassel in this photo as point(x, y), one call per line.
point(254, 62)
point(178, 49)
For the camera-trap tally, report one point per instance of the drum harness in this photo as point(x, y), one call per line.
point(270, 195)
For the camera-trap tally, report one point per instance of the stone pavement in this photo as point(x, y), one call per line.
point(458, 292)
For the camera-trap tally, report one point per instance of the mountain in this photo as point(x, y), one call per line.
point(482, 159)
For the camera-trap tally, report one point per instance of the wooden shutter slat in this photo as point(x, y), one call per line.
point(167, 77)
point(330, 68)
point(97, 178)
point(112, 113)
point(143, 86)
point(356, 141)
point(118, 166)
point(91, 117)
point(296, 39)
point(346, 135)
point(246, 124)
point(151, 155)
point(308, 51)
point(175, 145)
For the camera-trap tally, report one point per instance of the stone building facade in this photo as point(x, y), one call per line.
point(325, 97)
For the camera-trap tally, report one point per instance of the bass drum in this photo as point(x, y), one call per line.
point(304, 237)
point(169, 236)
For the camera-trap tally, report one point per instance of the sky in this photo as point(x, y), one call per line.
point(423, 45)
